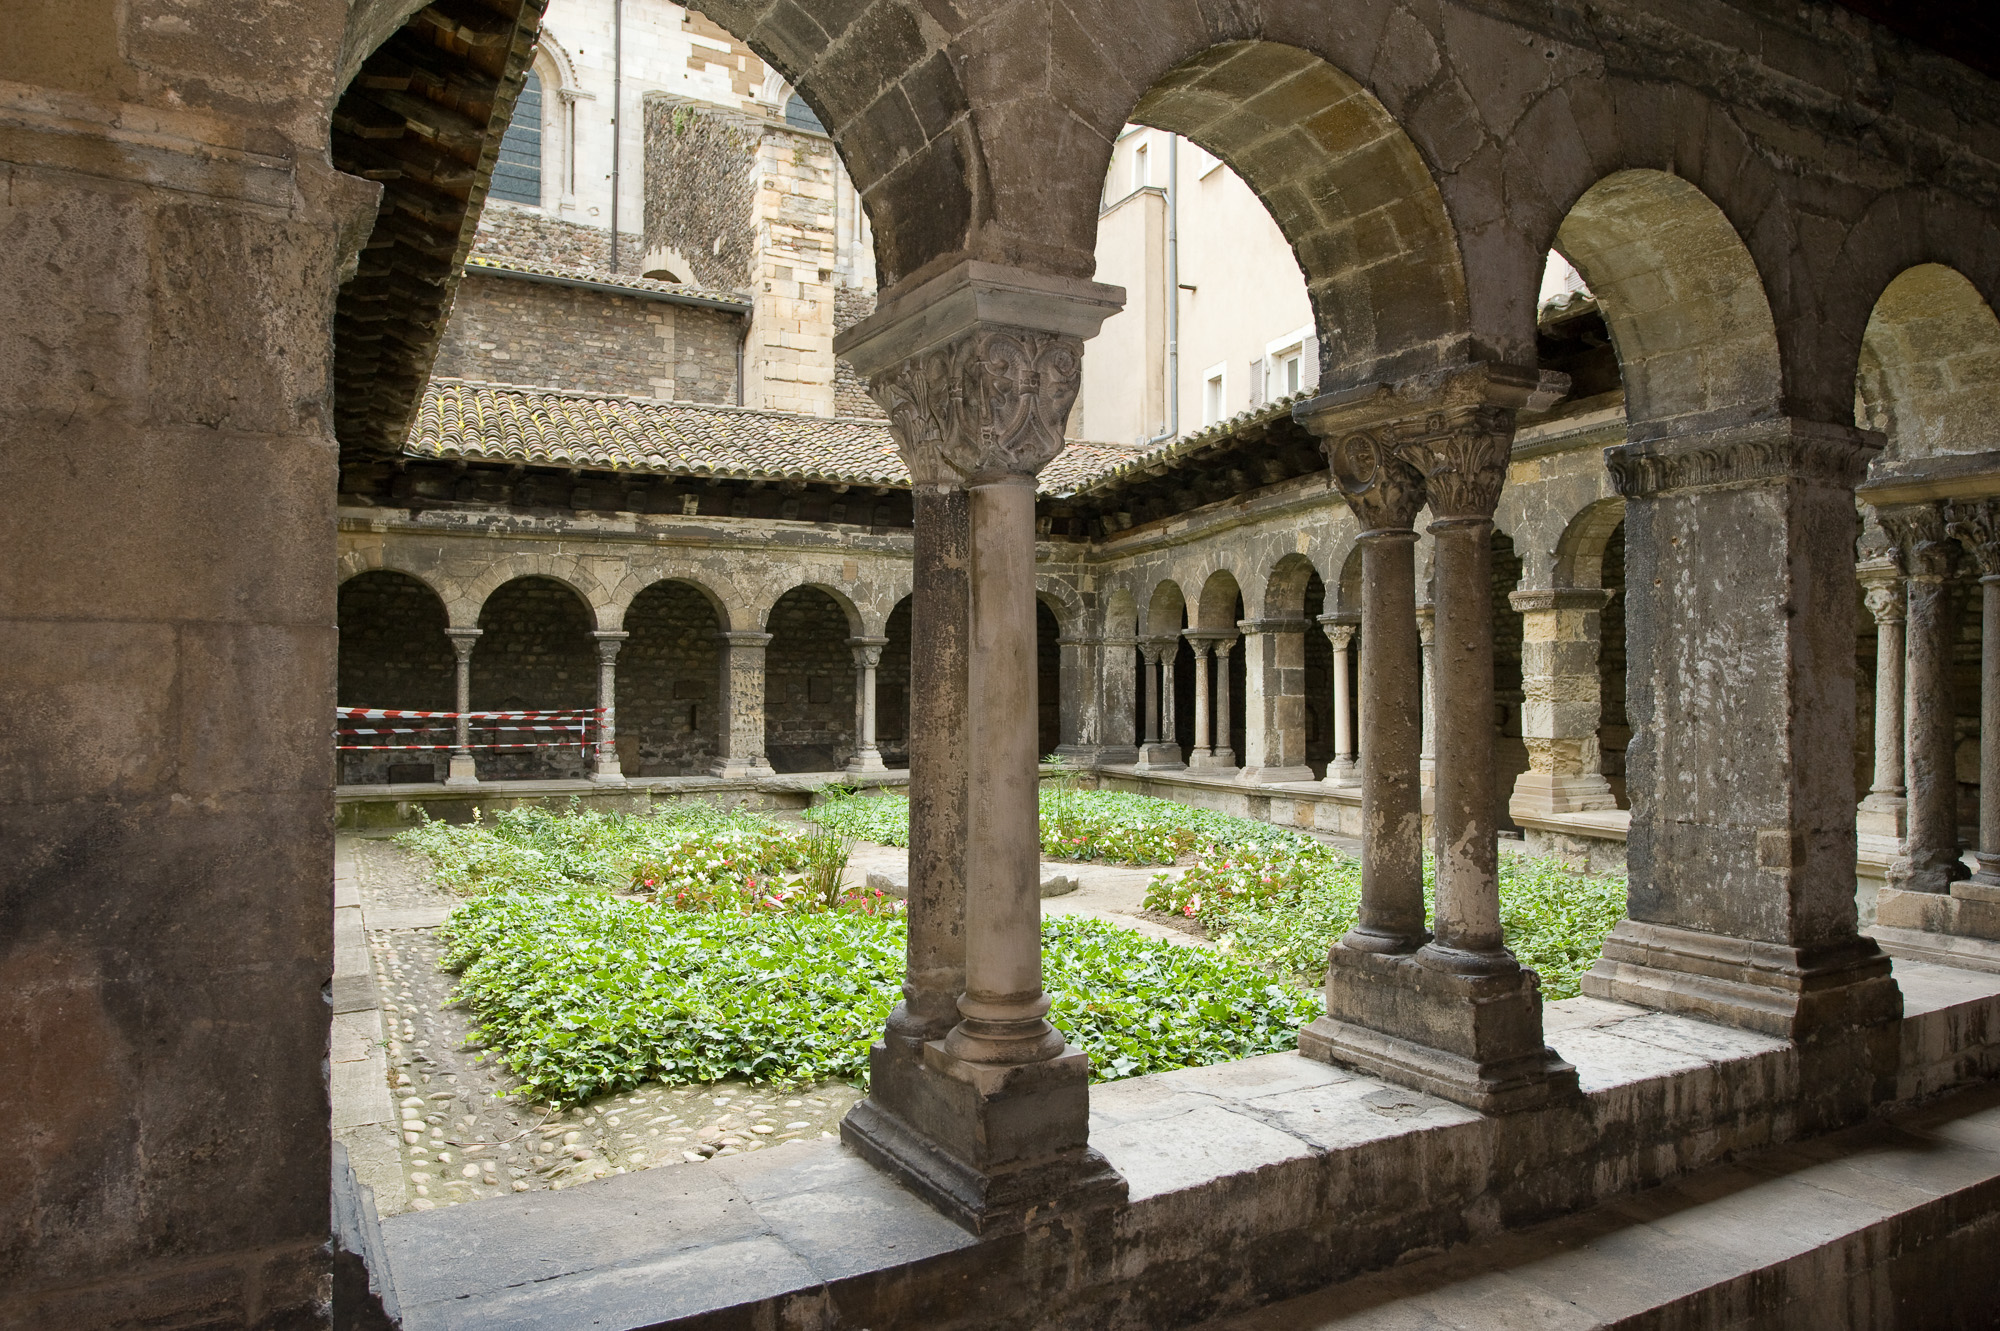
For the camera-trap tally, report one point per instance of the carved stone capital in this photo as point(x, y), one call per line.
point(1384, 491)
point(978, 367)
point(1339, 634)
point(1463, 456)
point(1923, 539)
point(608, 643)
point(1743, 453)
point(1976, 524)
point(1884, 602)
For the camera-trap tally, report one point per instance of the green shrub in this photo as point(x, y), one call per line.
point(579, 995)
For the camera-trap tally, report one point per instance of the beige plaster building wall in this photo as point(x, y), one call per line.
point(1229, 246)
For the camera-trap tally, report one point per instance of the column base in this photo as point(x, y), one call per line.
point(1790, 992)
point(1970, 910)
point(462, 772)
point(730, 769)
point(1883, 815)
point(1928, 872)
point(1473, 1040)
point(609, 776)
point(994, 1149)
point(1266, 776)
point(1343, 774)
point(866, 763)
point(1160, 757)
point(1212, 761)
point(1540, 794)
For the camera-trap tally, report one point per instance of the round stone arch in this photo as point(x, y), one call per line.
point(1682, 297)
point(1063, 602)
point(1285, 588)
point(378, 559)
point(1347, 588)
point(606, 612)
point(1215, 608)
point(1929, 365)
point(855, 621)
point(1579, 560)
point(1166, 603)
point(1121, 614)
point(726, 600)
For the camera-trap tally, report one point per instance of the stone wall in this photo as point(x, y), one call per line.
point(507, 330)
point(508, 231)
point(808, 684)
point(393, 653)
point(701, 188)
point(534, 653)
point(668, 672)
point(850, 394)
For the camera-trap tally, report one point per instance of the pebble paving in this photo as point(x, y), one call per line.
point(464, 1134)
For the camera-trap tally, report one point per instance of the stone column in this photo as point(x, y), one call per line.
point(1930, 861)
point(1222, 754)
point(1740, 904)
point(1343, 770)
point(606, 769)
point(1978, 526)
point(741, 733)
point(867, 758)
point(463, 771)
point(1170, 729)
point(1202, 754)
point(1160, 752)
point(1560, 630)
point(1082, 707)
point(1427, 693)
point(977, 369)
point(1274, 703)
point(1883, 812)
point(1455, 1015)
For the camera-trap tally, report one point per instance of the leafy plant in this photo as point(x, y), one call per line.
point(582, 994)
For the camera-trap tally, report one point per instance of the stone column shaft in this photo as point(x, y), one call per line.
point(1201, 755)
point(1427, 689)
point(463, 770)
point(1222, 753)
point(741, 733)
point(1468, 892)
point(867, 657)
point(1391, 914)
point(1882, 812)
point(606, 769)
point(1977, 525)
point(1343, 770)
point(1930, 862)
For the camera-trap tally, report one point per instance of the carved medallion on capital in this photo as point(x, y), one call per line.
point(992, 402)
point(1384, 491)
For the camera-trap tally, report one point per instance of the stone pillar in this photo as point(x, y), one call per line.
point(1455, 1015)
point(1978, 526)
point(977, 369)
point(1082, 708)
point(1274, 703)
point(1930, 860)
point(604, 767)
point(1222, 754)
point(1344, 769)
point(1201, 755)
point(1884, 810)
point(1741, 910)
point(741, 733)
point(1117, 682)
point(1160, 752)
point(463, 771)
point(1427, 693)
point(1560, 630)
point(867, 758)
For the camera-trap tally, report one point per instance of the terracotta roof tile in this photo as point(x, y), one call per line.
point(499, 263)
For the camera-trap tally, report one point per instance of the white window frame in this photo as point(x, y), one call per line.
point(1217, 377)
point(1206, 163)
point(1298, 343)
point(1142, 168)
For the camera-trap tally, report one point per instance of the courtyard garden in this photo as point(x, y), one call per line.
point(598, 952)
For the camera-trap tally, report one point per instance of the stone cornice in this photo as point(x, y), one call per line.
point(1914, 480)
point(1559, 598)
point(1748, 453)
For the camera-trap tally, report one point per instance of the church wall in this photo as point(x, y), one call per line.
point(509, 331)
point(808, 684)
point(667, 683)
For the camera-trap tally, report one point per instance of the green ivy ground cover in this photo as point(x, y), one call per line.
point(1111, 826)
point(580, 994)
point(1284, 906)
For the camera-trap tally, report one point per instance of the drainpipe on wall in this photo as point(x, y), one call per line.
point(1173, 427)
point(741, 341)
point(617, 113)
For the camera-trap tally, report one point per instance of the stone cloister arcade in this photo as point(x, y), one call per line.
point(1767, 206)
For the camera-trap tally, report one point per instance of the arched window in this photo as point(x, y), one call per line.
point(517, 176)
point(800, 116)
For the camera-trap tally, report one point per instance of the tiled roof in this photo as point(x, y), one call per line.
point(544, 427)
point(1126, 462)
point(502, 264)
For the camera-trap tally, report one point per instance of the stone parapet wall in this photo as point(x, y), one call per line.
point(507, 330)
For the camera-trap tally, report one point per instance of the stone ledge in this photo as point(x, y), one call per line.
point(1265, 1178)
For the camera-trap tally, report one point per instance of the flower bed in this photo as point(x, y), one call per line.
point(581, 994)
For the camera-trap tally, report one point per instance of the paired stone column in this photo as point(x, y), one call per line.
point(742, 730)
point(1161, 751)
point(1222, 753)
point(606, 769)
point(1977, 525)
point(1884, 811)
point(1274, 703)
point(867, 757)
point(1561, 707)
point(1740, 600)
point(463, 770)
point(977, 369)
point(1454, 1014)
point(1201, 755)
point(1930, 861)
point(1344, 769)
